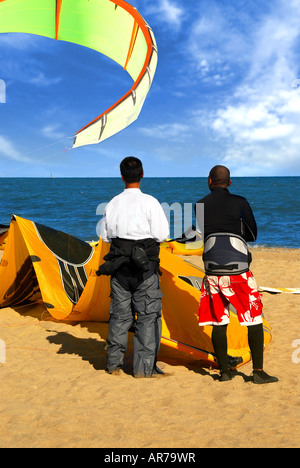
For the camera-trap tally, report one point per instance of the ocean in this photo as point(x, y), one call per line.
point(74, 205)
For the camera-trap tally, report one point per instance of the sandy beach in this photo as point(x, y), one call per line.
point(55, 392)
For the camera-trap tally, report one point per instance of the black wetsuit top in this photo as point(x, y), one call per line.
point(225, 212)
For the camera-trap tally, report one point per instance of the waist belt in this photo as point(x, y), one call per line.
point(226, 254)
point(141, 255)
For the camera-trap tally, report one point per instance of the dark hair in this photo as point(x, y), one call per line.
point(219, 175)
point(131, 169)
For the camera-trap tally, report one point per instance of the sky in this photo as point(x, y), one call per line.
point(226, 91)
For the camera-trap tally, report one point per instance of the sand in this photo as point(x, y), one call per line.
point(55, 392)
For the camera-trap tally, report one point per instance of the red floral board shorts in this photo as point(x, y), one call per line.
point(218, 292)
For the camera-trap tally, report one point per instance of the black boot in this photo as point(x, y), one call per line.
point(226, 375)
point(260, 377)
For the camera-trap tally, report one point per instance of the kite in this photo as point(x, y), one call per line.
point(42, 264)
point(111, 27)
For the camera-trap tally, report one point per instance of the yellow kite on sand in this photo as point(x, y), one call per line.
point(42, 263)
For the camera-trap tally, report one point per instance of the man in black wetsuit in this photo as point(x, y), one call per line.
point(229, 224)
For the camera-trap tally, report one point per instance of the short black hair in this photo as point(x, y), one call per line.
point(131, 169)
point(219, 175)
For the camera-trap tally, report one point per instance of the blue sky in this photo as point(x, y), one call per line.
point(223, 93)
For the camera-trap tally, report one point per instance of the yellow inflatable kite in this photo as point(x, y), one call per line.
point(42, 263)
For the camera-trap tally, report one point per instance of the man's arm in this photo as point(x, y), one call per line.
point(160, 230)
point(103, 229)
point(249, 223)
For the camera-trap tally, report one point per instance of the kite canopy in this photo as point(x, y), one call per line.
point(112, 27)
point(40, 263)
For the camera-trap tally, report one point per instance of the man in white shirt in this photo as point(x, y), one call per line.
point(135, 224)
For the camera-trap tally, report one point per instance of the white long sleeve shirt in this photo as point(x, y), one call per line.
point(134, 215)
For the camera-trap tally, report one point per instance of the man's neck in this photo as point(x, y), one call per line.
point(133, 185)
point(212, 187)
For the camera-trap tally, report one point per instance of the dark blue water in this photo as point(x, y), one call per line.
point(70, 205)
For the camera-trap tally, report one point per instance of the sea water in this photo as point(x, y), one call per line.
point(74, 205)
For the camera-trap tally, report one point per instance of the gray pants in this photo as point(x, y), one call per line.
point(142, 308)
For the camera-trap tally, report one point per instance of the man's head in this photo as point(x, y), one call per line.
point(219, 176)
point(131, 170)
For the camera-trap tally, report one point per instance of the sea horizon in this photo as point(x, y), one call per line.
point(71, 204)
point(152, 177)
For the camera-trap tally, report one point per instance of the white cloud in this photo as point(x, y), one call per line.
point(167, 11)
point(17, 41)
point(52, 132)
point(40, 79)
point(259, 122)
point(262, 133)
point(173, 132)
point(215, 44)
point(172, 12)
point(20, 62)
point(8, 150)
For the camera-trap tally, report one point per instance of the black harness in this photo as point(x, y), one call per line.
point(226, 254)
